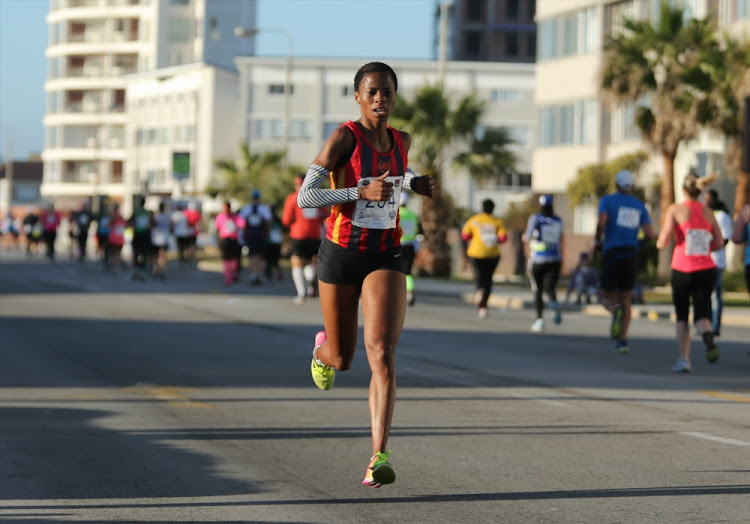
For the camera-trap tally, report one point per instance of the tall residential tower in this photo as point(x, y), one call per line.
point(94, 47)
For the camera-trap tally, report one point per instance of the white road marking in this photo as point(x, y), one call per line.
point(715, 438)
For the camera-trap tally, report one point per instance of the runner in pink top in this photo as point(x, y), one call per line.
point(228, 226)
point(696, 234)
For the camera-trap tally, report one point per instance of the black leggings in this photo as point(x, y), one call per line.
point(545, 276)
point(697, 285)
point(484, 268)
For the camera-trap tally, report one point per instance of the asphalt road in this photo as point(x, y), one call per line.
point(186, 401)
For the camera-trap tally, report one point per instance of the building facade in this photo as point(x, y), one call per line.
point(492, 30)
point(575, 127)
point(179, 121)
point(322, 97)
point(94, 47)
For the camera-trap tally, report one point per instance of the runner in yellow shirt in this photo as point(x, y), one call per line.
point(484, 233)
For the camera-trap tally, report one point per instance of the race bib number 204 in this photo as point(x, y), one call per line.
point(378, 215)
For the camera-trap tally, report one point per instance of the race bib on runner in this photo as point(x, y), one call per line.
point(230, 227)
point(378, 215)
point(628, 217)
point(551, 233)
point(488, 235)
point(254, 220)
point(697, 242)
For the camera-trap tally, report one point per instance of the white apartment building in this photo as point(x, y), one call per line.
point(189, 111)
point(575, 128)
point(322, 97)
point(94, 48)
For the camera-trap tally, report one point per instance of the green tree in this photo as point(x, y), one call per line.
point(724, 87)
point(653, 66)
point(237, 180)
point(446, 134)
point(593, 181)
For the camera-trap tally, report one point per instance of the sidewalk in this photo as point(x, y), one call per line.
point(513, 296)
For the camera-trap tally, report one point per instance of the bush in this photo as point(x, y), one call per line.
point(734, 281)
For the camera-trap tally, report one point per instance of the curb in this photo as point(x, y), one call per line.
point(664, 313)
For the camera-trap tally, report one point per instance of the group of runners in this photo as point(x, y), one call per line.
point(351, 231)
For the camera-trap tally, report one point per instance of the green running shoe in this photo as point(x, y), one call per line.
point(712, 350)
point(379, 471)
point(322, 375)
point(615, 329)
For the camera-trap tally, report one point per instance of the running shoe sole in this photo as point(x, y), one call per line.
point(380, 473)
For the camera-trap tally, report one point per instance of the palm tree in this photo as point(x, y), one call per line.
point(262, 171)
point(725, 87)
point(443, 135)
point(653, 66)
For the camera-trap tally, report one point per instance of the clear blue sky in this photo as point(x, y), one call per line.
point(376, 29)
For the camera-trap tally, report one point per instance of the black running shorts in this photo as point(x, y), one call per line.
point(348, 267)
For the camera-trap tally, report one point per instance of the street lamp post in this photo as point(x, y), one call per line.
point(93, 143)
point(9, 172)
point(244, 32)
point(445, 7)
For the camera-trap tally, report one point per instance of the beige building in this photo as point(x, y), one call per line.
point(94, 47)
point(575, 128)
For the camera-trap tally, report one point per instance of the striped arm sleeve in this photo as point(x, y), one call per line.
point(311, 195)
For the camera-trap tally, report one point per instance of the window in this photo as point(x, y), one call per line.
point(622, 123)
point(531, 44)
point(567, 124)
point(300, 129)
point(511, 43)
point(573, 34)
point(278, 89)
point(569, 35)
point(261, 130)
point(512, 9)
point(574, 123)
point(507, 96)
point(178, 30)
point(472, 43)
point(585, 217)
point(743, 9)
point(474, 10)
point(347, 91)
point(548, 40)
point(179, 2)
point(213, 29)
point(277, 129)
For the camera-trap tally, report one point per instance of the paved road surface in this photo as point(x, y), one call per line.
point(185, 401)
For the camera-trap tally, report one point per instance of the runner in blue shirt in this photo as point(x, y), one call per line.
point(621, 216)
